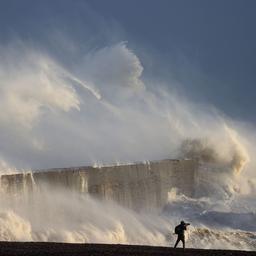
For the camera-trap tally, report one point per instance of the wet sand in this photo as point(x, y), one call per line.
point(64, 249)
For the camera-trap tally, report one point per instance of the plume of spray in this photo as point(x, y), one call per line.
point(240, 156)
point(6, 168)
point(83, 84)
point(229, 152)
point(53, 118)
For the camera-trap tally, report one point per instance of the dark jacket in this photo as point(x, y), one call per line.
point(181, 228)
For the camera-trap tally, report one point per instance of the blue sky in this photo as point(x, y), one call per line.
point(208, 47)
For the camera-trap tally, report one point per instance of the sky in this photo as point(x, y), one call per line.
point(208, 47)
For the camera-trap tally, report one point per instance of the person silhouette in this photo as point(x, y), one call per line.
point(180, 231)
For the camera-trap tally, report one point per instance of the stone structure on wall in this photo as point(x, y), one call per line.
point(136, 186)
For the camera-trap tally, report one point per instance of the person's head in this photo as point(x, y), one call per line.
point(182, 222)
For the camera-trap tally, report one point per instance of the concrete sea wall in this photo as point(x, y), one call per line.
point(136, 186)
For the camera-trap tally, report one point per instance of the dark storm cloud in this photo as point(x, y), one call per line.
point(208, 46)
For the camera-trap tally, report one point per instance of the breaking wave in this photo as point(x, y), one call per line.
point(232, 157)
point(61, 216)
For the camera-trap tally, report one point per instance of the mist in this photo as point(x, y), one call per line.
point(102, 110)
point(59, 215)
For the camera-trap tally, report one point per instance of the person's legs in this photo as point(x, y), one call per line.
point(178, 239)
point(183, 241)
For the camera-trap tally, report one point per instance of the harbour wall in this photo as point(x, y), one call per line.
point(137, 186)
